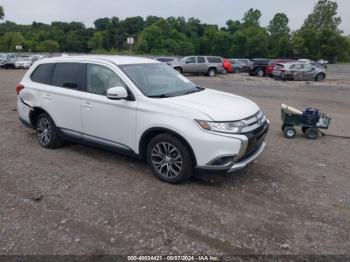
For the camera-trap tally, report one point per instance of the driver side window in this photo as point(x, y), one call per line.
point(100, 79)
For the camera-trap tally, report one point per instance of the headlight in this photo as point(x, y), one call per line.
point(222, 127)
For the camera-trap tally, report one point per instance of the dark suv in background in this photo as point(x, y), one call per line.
point(258, 67)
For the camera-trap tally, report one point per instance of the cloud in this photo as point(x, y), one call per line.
point(213, 12)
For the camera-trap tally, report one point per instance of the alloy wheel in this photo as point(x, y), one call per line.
point(44, 131)
point(167, 160)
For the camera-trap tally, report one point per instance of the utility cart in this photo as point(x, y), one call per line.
point(310, 120)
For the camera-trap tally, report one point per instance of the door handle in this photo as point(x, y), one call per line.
point(87, 105)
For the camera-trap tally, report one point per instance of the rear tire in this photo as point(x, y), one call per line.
point(260, 73)
point(47, 132)
point(311, 133)
point(211, 72)
point(169, 159)
point(290, 132)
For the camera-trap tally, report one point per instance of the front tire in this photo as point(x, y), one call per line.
point(179, 69)
point(47, 132)
point(290, 132)
point(169, 159)
point(320, 78)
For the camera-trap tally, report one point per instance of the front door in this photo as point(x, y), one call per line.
point(107, 122)
point(189, 65)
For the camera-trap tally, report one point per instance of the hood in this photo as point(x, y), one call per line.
point(219, 106)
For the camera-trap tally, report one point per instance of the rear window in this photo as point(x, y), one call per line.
point(200, 59)
point(214, 59)
point(66, 75)
point(42, 74)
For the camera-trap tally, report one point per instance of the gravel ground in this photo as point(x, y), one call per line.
point(294, 199)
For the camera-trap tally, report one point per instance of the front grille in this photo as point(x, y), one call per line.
point(255, 139)
point(254, 122)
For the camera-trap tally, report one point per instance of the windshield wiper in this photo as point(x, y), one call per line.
point(194, 90)
point(160, 96)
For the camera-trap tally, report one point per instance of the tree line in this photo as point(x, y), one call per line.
point(318, 37)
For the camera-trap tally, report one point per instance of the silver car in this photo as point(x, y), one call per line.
point(299, 71)
point(205, 65)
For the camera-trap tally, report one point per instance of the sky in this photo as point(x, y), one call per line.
point(208, 11)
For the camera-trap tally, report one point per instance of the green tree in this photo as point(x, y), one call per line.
point(252, 17)
point(250, 42)
point(324, 16)
point(48, 46)
point(10, 40)
point(320, 35)
point(96, 42)
point(2, 14)
point(279, 36)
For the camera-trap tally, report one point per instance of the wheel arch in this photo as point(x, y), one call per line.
point(35, 112)
point(149, 134)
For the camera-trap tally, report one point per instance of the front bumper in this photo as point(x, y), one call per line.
point(250, 149)
point(245, 162)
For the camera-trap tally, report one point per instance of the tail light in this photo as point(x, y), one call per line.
point(19, 88)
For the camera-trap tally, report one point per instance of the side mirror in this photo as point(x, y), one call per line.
point(117, 93)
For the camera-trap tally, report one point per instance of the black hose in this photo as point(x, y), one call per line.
point(336, 136)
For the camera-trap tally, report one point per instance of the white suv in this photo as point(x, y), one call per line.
point(143, 108)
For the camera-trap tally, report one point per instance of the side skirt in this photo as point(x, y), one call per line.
point(97, 142)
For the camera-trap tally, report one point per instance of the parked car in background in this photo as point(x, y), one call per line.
point(272, 63)
point(173, 62)
point(304, 60)
point(299, 71)
point(2, 57)
point(241, 65)
point(142, 108)
point(322, 61)
point(35, 58)
point(228, 66)
point(23, 63)
point(244, 61)
point(319, 65)
point(8, 61)
point(258, 67)
point(206, 65)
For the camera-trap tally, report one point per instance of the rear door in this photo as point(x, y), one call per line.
point(297, 72)
point(61, 99)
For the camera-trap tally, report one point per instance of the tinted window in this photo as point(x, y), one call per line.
point(191, 60)
point(168, 60)
point(308, 67)
point(200, 60)
point(42, 74)
point(66, 75)
point(298, 67)
point(100, 79)
point(214, 59)
point(261, 62)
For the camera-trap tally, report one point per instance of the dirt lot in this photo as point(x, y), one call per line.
point(79, 200)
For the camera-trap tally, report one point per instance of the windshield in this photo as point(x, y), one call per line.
point(159, 80)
